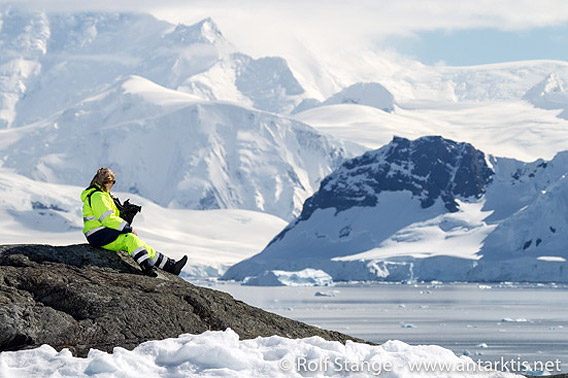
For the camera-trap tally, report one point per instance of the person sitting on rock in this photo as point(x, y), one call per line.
point(103, 227)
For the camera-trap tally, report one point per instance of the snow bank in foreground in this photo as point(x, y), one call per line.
point(222, 354)
point(306, 277)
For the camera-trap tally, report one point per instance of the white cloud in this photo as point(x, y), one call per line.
point(337, 31)
point(266, 25)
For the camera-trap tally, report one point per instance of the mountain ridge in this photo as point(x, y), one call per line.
point(394, 232)
point(211, 155)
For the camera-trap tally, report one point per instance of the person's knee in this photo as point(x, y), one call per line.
point(132, 242)
point(131, 238)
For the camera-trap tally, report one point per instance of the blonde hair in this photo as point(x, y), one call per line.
point(104, 179)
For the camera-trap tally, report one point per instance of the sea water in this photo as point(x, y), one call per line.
point(488, 322)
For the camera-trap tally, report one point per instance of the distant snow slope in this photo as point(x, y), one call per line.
point(177, 150)
point(551, 93)
point(512, 129)
point(38, 212)
point(429, 209)
point(411, 81)
point(369, 94)
point(485, 105)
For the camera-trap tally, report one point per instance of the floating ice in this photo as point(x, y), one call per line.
point(511, 320)
point(325, 293)
point(306, 277)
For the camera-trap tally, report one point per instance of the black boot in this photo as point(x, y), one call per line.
point(175, 267)
point(148, 268)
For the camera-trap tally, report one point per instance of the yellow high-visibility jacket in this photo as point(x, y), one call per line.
point(101, 217)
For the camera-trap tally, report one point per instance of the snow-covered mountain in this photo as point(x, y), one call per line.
point(51, 61)
point(265, 83)
point(413, 83)
point(83, 90)
point(551, 93)
point(514, 129)
point(429, 209)
point(369, 94)
point(177, 150)
point(492, 107)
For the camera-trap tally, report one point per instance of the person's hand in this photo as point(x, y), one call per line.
point(134, 232)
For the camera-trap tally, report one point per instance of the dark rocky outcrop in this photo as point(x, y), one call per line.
point(79, 297)
point(430, 167)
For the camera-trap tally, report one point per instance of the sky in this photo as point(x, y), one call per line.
point(484, 45)
point(451, 32)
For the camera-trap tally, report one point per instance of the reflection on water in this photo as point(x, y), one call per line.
point(486, 322)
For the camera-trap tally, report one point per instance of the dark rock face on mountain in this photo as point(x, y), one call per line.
point(430, 167)
point(390, 215)
point(368, 200)
point(79, 297)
